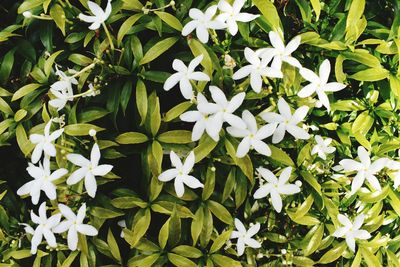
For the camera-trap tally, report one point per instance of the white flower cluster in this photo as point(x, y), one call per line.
point(210, 116)
point(45, 180)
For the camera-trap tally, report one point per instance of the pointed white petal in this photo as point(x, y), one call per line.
point(191, 181)
point(189, 162)
point(172, 81)
point(189, 27)
point(261, 147)
point(102, 170)
point(90, 184)
point(276, 200)
point(324, 71)
point(243, 148)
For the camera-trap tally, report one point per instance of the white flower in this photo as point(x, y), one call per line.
point(44, 228)
point(184, 75)
point(322, 147)
point(286, 121)
point(365, 169)
point(181, 173)
point(74, 225)
point(252, 136)
point(394, 165)
point(244, 237)
point(201, 117)
point(44, 143)
point(280, 52)
point(89, 169)
point(351, 231)
point(43, 181)
point(230, 14)
point(62, 90)
point(202, 22)
point(122, 224)
point(225, 109)
point(319, 84)
point(100, 16)
point(257, 69)
point(276, 187)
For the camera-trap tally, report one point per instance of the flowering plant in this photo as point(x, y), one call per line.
point(200, 133)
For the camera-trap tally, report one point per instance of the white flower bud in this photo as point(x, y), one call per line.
point(92, 132)
point(27, 14)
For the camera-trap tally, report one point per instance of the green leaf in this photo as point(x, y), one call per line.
point(20, 114)
point(220, 211)
point(280, 157)
point(131, 138)
point(209, 184)
point(371, 75)
point(128, 202)
point(175, 137)
point(315, 240)
point(81, 129)
point(333, 254)
point(103, 213)
point(163, 234)
point(176, 111)
point(132, 5)
point(225, 261)
point(48, 65)
point(204, 148)
point(58, 15)
point(317, 8)
point(141, 226)
point(112, 243)
point(243, 163)
point(220, 241)
point(141, 100)
point(369, 258)
point(127, 25)
point(23, 91)
point(4, 107)
point(270, 13)
point(187, 251)
point(174, 232)
point(170, 20)
point(159, 48)
point(22, 139)
point(80, 60)
point(197, 225)
point(180, 261)
point(70, 259)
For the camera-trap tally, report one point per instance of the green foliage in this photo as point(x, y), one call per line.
point(137, 125)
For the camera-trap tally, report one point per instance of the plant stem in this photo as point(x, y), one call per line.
point(91, 66)
point(108, 36)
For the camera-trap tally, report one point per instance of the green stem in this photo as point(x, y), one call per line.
point(108, 36)
point(44, 17)
point(91, 66)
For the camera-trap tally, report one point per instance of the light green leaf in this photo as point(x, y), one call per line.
point(159, 48)
point(170, 20)
point(131, 138)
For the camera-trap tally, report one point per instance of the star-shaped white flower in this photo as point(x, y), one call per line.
point(43, 181)
point(322, 147)
point(184, 75)
point(244, 237)
point(99, 15)
point(181, 173)
point(74, 225)
point(319, 84)
point(252, 136)
point(44, 228)
point(394, 166)
point(202, 22)
point(89, 169)
point(365, 169)
point(225, 109)
point(351, 231)
point(276, 187)
point(202, 120)
point(65, 83)
point(44, 143)
point(286, 121)
point(257, 69)
point(230, 14)
point(280, 52)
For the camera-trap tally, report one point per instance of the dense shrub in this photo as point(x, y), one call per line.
point(199, 133)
